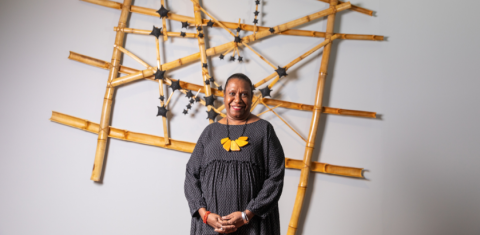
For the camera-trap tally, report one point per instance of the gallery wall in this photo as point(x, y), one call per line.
point(421, 153)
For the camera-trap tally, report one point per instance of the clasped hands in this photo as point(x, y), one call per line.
point(226, 224)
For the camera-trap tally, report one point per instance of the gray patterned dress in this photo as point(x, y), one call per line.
point(224, 182)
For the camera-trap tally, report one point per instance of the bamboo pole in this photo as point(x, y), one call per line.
point(116, 133)
point(261, 57)
point(223, 47)
point(193, 87)
point(203, 53)
point(125, 51)
point(305, 55)
point(107, 101)
point(164, 23)
point(286, 123)
point(147, 32)
point(160, 87)
point(187, 147)
point(200, 21)
point(326, 168)
point(268, 110)
point(355, 8)
point(231, 25)
point(307, 158)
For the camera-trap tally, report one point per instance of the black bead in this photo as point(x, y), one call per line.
point(212, 114)
point(209, 100)
point(175, 85)
point(281, 71)
point(156, 32)
point(163, 11)
point(210, 23)
point(265, 91)
point(162, 111)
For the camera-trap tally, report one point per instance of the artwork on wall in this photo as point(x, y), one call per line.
point(205, 94)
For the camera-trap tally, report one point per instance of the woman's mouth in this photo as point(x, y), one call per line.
point(237, 108)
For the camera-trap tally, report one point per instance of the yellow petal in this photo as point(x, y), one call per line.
point(243, 138)
point(226, 145)
point(234, 146)
point(224, 140)
point(240, 142)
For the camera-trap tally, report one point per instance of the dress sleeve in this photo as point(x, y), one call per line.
point(267, 198)
point(193, 186)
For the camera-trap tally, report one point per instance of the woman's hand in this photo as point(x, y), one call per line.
point(215, 221)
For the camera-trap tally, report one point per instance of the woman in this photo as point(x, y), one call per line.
point(232, 186)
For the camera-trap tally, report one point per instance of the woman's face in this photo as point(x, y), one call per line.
point(237, 99)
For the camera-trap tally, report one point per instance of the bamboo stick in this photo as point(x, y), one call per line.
point(187, 147)
point(268, 110)
point(261, 57)
point(147, 32)
point(297, 22)
point(203, 52)
point(231, 25)
point(125, 51)
point(286, 123)
point(199, 22)
point(193, 87)
point(355, 8)
point(164, 23)
point(307, 158)
point(160, 87)
point(326, 168)
point(305, 55)
point(116, 133)
point(107, 101)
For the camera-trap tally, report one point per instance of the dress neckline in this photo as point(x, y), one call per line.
point(240, 124)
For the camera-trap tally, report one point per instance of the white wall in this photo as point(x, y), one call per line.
point(422, 154)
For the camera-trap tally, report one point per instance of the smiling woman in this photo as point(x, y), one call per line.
point(235, 189)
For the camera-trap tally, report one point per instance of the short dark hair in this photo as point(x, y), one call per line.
point(241, 76)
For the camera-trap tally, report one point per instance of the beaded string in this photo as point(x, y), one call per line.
point(244, 127)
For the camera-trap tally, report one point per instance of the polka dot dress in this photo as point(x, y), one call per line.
point(224, 182)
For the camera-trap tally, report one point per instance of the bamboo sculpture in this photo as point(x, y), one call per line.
point(210, 88)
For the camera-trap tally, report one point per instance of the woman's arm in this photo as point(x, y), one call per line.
point(193, 186)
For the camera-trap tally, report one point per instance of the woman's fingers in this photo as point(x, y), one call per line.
point(226, 229)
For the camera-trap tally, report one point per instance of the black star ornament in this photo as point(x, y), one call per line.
point(205, 65)
point(183, 34)
point(281, 71)
point(209, 100)
point(207, 82)
point(162, 111)
point(239, 29)
point(212, 114)
point(222, 56)
point(265, 91)
point(189, 94)
point(199, 28)
point(156, 32)
point(191, 101)
point(272, 30)
point(256, 13)
point(160, 74)
point(163, 12)
point(162, 98)
point(210, 23)
point(255, 21)
point(175, 85)
point(211, 79)
point(189, 106)
point(200, 35)
point(257, 2)
point(220, 88)
point(238, 39)
point(232, 58)
point(197, 99)
point(240, 59)
point(185, 24)
point(185, 112)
